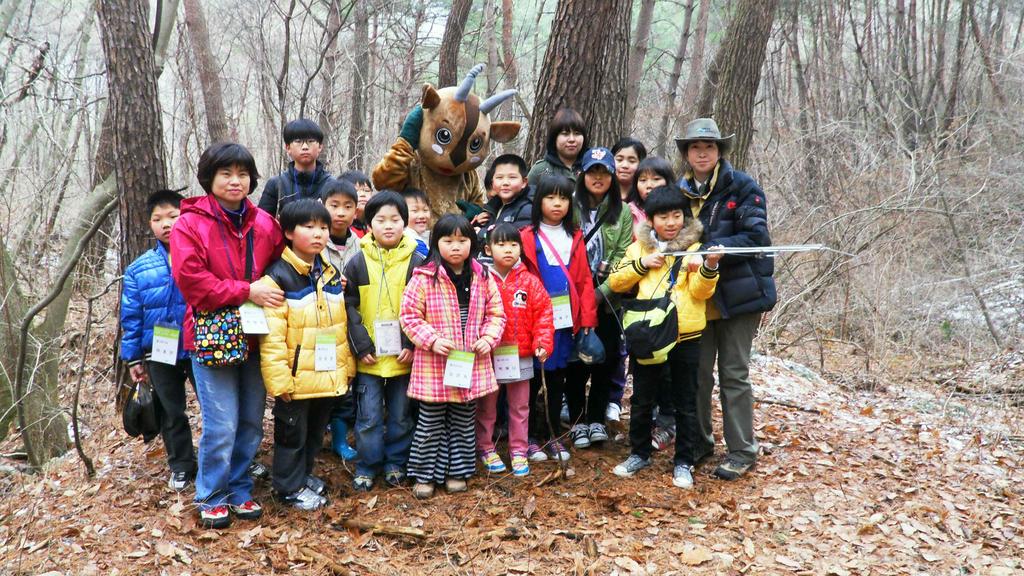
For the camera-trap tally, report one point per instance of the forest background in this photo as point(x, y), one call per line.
point(888, 130)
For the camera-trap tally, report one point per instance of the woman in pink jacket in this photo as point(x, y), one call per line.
point(452, 312)
point(219, 248)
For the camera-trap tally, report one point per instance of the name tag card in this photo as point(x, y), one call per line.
point(562, 311)
point(387, 335)
point(458, 371)
point(506, 363)
point(165, 344)
point(526, 368)
point(325, 358)
point(254, 321)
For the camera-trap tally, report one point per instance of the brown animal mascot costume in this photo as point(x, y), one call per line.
point(442, 141)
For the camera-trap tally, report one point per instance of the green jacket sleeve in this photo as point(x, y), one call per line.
point(616, 240)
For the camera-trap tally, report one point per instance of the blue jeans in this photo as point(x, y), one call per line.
point(231, 403)
point(383, 423)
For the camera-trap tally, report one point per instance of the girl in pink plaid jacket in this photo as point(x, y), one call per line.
point(452, 311)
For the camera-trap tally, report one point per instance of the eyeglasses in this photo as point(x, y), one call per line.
point(306, 141)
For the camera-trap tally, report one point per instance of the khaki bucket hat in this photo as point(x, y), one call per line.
point(703, 129)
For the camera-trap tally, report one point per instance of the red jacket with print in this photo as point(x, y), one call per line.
point(208, 255)
point(584, 305)
point(528, 318)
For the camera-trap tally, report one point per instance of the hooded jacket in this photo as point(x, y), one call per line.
point(430, 310)
point(208, 255)
point(518, 212)
point(552, 164)
point(340, 255)
point(314, 305)
point(584, 305)
point(691, 289)
point(616, 235)
point(149, 296)
point(376, 279)
point(292, 185)
point(734, 214)
point(529, 320)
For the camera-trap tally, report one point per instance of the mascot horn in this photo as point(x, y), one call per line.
point(442, 142)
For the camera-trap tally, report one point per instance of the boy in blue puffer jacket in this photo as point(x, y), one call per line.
point(151, 303)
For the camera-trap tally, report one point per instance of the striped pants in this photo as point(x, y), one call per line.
point(444, 444)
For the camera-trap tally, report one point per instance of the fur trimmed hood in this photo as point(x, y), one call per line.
point(689, 235)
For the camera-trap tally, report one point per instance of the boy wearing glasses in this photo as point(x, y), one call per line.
point(303, 142)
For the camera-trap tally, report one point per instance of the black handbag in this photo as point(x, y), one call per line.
point(140, 416)
point(651, 325)
point(589, 348)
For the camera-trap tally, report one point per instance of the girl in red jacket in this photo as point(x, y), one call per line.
point(553, 250)
point(529, 332)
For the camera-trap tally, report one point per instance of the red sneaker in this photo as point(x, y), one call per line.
point(247, 511)
point(216, 517)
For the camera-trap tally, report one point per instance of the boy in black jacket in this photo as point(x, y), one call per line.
point(303, 142)
point(512, 199)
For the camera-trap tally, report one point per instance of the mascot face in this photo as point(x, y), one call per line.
point(456, 134)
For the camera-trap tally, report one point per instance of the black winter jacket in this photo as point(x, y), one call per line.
point(518, 212)
point(292, 185)
point(735, 214)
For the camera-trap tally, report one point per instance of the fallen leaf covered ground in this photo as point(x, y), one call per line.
point(911, 477)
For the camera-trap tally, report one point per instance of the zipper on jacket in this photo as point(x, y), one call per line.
point(295, 361)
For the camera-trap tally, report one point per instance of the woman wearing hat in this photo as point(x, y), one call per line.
point(733, 210)
point(607, 226)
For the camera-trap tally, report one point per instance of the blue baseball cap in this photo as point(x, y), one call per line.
point(598, 155)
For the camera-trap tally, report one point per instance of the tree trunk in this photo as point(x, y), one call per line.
point(360, 76)
point(371, 99)
point(808, 135)
point(673, 81)
point(329, 115)
point(637, 56)
point(169, 13)
point(949, 115)
point(409, 70)
point(103, 163)
point(585, 69)
point(448, 65)
point(45, 430)
point(11, 313)
point(491, 38)
point(281, 81)
point(507, 54)
point(209, 75)
point(693, 79)
point(986, 58)
point(738, 64)
point(135, 112)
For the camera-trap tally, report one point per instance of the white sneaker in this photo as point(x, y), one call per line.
point(631, 466)
point(682, 476)
point(598, 433)
point(613, 413)
point(580, 435)
point(304, 499)
point(178, 481)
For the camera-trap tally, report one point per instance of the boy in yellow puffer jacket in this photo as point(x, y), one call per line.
point(647, 268)
point(305, 358)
